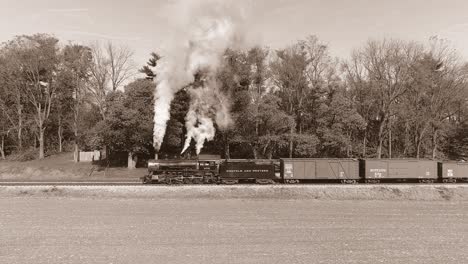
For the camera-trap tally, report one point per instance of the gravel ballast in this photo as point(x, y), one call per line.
point(308, 192)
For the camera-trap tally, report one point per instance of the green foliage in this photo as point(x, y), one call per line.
point(390, 99)
point(175, 132)
point(337, 121)
point(129, 119)
point(148, 69)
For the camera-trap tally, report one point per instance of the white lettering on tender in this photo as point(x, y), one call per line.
point(254, 171)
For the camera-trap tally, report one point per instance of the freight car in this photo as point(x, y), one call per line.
point(452, 171)
point(347, 171)
point(378, 170)
point(308, 170)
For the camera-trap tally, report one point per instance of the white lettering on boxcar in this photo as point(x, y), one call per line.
point(288, 170)
point(378, 173)
point(450, 173)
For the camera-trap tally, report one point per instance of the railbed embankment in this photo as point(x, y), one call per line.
point(400, 192)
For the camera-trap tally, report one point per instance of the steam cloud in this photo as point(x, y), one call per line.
point(205, 29)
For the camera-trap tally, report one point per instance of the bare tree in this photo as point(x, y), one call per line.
point(362, 92)
point(120, 64)
point(35, 59)
point(448, 84)
point(77, 60)
point(12, 98)
point(387, 67)
point(111, 67)
point(100, 76)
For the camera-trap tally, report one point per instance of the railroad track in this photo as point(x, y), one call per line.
point(139, 183)
point(70, 183)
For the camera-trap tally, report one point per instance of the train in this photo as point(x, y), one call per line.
point(214, 170)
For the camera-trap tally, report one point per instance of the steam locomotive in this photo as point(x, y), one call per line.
point(214, 170)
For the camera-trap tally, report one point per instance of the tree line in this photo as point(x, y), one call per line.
point(390, 99)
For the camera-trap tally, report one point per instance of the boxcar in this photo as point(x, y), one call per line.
point(376, 170)
point(453, 171)
point(259, 171)
point(301, 170)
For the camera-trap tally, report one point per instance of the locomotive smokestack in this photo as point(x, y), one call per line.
point(156, 156)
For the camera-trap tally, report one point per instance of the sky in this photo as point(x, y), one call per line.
point(143, 24)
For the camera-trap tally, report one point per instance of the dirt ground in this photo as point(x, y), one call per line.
point(71, 230)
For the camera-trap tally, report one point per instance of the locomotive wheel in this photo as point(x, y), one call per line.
point(291, 181)
point(229, 182)
point(264, 181)
point(187, 181)
point(147, 180)
point(197, 181)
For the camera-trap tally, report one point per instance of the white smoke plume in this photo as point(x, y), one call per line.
point(207, 105)
point(203, 30)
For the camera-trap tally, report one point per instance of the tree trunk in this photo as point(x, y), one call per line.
point(418, 149)
point(227, 151)
point(75, 120)
point(348, 147)
point(407, 139)
point(131, 161)
point(364, 145)
point(60, 133)
point(255, 152)
point(75, 132)
point(41, 143)
point(20, 129)
point(381, 138)
point(434, 143)
point(291, 139)
point(76, 153)
point(379, 149)
point(389, 142)
point(2, 147)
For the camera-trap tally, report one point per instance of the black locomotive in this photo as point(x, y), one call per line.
point(183, 171)
point(212, 169)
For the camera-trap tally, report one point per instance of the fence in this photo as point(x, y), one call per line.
point(88, 156)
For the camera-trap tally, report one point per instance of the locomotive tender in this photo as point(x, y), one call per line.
point(213, 169)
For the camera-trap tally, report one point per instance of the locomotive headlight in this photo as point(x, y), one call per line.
point(277, 174)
